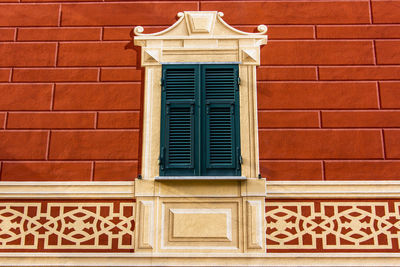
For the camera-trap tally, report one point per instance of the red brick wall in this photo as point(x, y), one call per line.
point(71, 91)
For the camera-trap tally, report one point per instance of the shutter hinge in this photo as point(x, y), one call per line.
point(238, 80)
point(161, 158)
point(162, 83)
point(239, 158)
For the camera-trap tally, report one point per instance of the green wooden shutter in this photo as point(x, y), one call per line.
point(200, 132)
point(178, 120)
point(221, 120)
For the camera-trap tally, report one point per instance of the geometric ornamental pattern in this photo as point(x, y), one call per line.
point(57, 226)
point(333, 226)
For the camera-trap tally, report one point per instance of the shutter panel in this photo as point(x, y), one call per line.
point(178, 120)
point(221, 120)
point(180, 132)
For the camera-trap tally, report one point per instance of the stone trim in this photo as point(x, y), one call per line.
point(274, 189)
point(66, 190)
point(332, 189)
point(199, 259)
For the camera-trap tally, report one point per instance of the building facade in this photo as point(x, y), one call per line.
point(179, 133)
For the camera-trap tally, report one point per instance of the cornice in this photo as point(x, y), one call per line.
point(200, 36)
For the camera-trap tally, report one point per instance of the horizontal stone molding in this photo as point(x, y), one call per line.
point(332, 189)
point(190, 259)
point(274, 190)
point(45, 190)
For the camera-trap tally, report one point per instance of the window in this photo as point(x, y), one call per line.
point(200, 133)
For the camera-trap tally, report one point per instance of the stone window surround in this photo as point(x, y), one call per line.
point(200, 37)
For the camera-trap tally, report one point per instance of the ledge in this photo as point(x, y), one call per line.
point(199, 178)
point(199, 259)
point(43, 190)
point(274, 189)
point(332, 189)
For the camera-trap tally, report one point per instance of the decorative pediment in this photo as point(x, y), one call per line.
point(200, 36)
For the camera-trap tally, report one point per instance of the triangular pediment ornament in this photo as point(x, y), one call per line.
point(151, 55)
point(249, 55)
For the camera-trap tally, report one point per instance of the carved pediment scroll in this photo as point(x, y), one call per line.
point(200, 36)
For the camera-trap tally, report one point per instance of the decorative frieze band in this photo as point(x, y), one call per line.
point(333, 225)
point(64, 225)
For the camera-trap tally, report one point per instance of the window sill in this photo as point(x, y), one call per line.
point(197, 178)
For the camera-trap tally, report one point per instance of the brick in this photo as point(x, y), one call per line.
point(96, 54)
point(321, 95)
point(109, 120)
point(288, 119)
point(354, 119)
point(291, 170)
point(55, 75)
point(320, 144)
point(286, 73)
point(390, 94)
point(53, 120)
point(387, 52)
point(2, 119)
point(392, 143)
point(283, 32)
point(162, 13)
point(5, 75)
point(362, 170)
point(120, 74)
point(359, 32)
point(118, 34)
point(25, 96)
point(46, 171)
point(94, 145)
point(386, 11)
point(7, 34)
point(115, 171)
point(23, 145)
point(27, 54)
point(29, 15)
point(44, 1)
point(359, 73)
point(317, 52)
point(126, 33)
point(107, 96)
point(58, 34)
point(291, 12)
